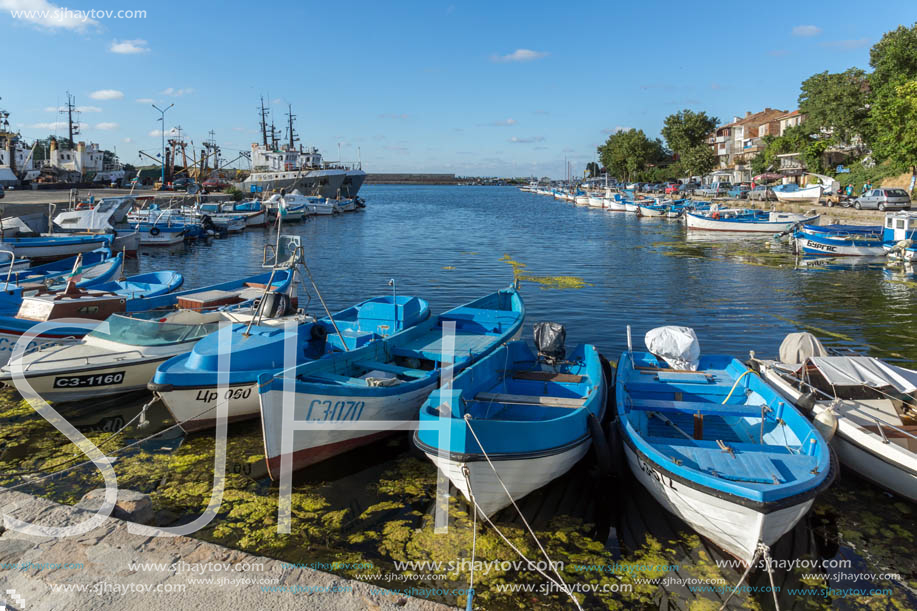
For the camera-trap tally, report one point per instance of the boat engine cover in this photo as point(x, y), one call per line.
point(677, 346)
point(550, 338)
point(276, 305)
point(798, 347)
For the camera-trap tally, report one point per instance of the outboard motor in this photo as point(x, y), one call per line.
point(276, 305)
point(550, 338)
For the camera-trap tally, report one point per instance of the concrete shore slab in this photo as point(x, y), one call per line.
point(99, 571)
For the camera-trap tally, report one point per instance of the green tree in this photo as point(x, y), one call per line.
point(698, 160)
point(895, 119)
point(894, 57)
point(836, 102)
point(593, 169)
point(686, 129)
point(626, 153)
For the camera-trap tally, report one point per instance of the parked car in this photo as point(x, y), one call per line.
point(214, 184)
point(739, 191)
point(716, 189)
point(762, 193)
point(688, 188)
point(672, 188)
point(1, 192)
point(883, 199)
point(182, 184)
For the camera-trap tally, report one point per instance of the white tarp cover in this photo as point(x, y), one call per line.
point(865, 371)
point(677, 346)
point(797, 347)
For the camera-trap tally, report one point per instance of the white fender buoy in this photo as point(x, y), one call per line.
point(826, 423)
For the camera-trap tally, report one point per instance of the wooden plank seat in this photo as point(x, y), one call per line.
point(327, 376)
point(547, 376)
point(702, 388)
point(392, 368)
point(572, 402)
point(261, 285)
point(693, 407)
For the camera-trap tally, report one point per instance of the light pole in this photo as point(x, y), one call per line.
point(162, 118)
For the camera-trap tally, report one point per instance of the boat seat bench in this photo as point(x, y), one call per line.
point(392, 368)
point(694, 388)
point(748, 461)
point(327, 376)
point(572, 402)
point(693, 407)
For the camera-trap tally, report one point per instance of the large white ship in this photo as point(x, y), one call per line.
point(278, 166)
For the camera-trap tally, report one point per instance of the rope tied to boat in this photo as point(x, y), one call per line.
point(474, 538)
point(762, 550)
point(560, 583)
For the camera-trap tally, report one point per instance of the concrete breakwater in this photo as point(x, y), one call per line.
point(111, 568)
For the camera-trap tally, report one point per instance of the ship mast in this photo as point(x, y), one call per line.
point(293, 137)
point(71, 129)
point(263, 123)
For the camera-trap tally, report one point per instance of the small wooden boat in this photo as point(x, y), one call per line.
point(793, 193)
point(252, 211)
point(161, 234)
point(596, 201)
point(122, 353)
point(581, 200)
point(653, 210)
point(86, 306)
point(840, 240)
point(615, 204)
point(747, 220)
point(720, 448)
point(55, 246)
point(188, 384)
point(530, 417)
point(386, 381)
point(867, 408)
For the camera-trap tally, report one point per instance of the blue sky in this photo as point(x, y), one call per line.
point(474, 88)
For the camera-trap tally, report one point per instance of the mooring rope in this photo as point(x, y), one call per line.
point(562, 584)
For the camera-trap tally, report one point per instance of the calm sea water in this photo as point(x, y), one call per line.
point(445, 244)
point(450, 245)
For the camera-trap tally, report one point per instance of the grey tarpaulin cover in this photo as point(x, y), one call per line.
point(550, 338)
point(797, 347)
point(865, 371)
point(677, 346)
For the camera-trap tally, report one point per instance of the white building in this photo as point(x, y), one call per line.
point(84, 159)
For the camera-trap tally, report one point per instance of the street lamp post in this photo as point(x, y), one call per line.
point(162, 118)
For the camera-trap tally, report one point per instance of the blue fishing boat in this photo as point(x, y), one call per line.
point(96, 267)
point(530, 417)
point(716, 445)
point(747, 220)
point(899, 235)
point(379, 383)
point(188, 383)
point(86, 305)
point(55, 246)
point(122, 353)
point(840, 240)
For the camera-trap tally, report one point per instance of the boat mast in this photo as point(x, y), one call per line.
point(71, 129)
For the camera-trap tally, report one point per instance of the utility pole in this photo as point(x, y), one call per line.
point(162, 118)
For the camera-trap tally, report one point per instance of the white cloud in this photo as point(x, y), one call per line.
point(806, 30)
point(77, 109)
point(504, 123)
point(46, 15)
point(106, 125)
point(177, 92)
point(129, 47)
point(157, 133)
point(528, 140)
point(616, 129)
point(127, 140)
point(56, 125)
point(519, 55)
point(106, 94)
point(146, 100)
